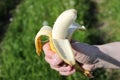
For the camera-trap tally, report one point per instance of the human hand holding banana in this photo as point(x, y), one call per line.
point(60, 37)
point(59, 65)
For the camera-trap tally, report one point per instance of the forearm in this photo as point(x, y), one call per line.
point(103, 56)
point(109, 55)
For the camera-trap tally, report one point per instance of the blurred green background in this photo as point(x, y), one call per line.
point(20, 20)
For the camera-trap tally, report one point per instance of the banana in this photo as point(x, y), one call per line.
point(60, 36)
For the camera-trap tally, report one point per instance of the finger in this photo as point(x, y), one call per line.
point(48, 60)
point(88, 67)
point(48, 52)
point(67, 73)
point(81, 58)
point(62, 69)
point(46, 46)
point(56, 60)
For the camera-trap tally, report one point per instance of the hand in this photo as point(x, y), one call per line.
point(64, 69)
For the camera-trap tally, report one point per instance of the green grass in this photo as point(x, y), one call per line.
point(19, 60)
point(109, 15)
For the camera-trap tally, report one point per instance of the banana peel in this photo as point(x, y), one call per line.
point(60, 36)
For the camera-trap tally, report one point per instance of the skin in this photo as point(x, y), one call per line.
point(91, 56)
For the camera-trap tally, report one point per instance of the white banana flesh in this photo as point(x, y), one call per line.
point(63, 23)
point(59, 34)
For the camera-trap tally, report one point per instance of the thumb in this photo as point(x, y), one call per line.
point(88, 67)
point(80, 57)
